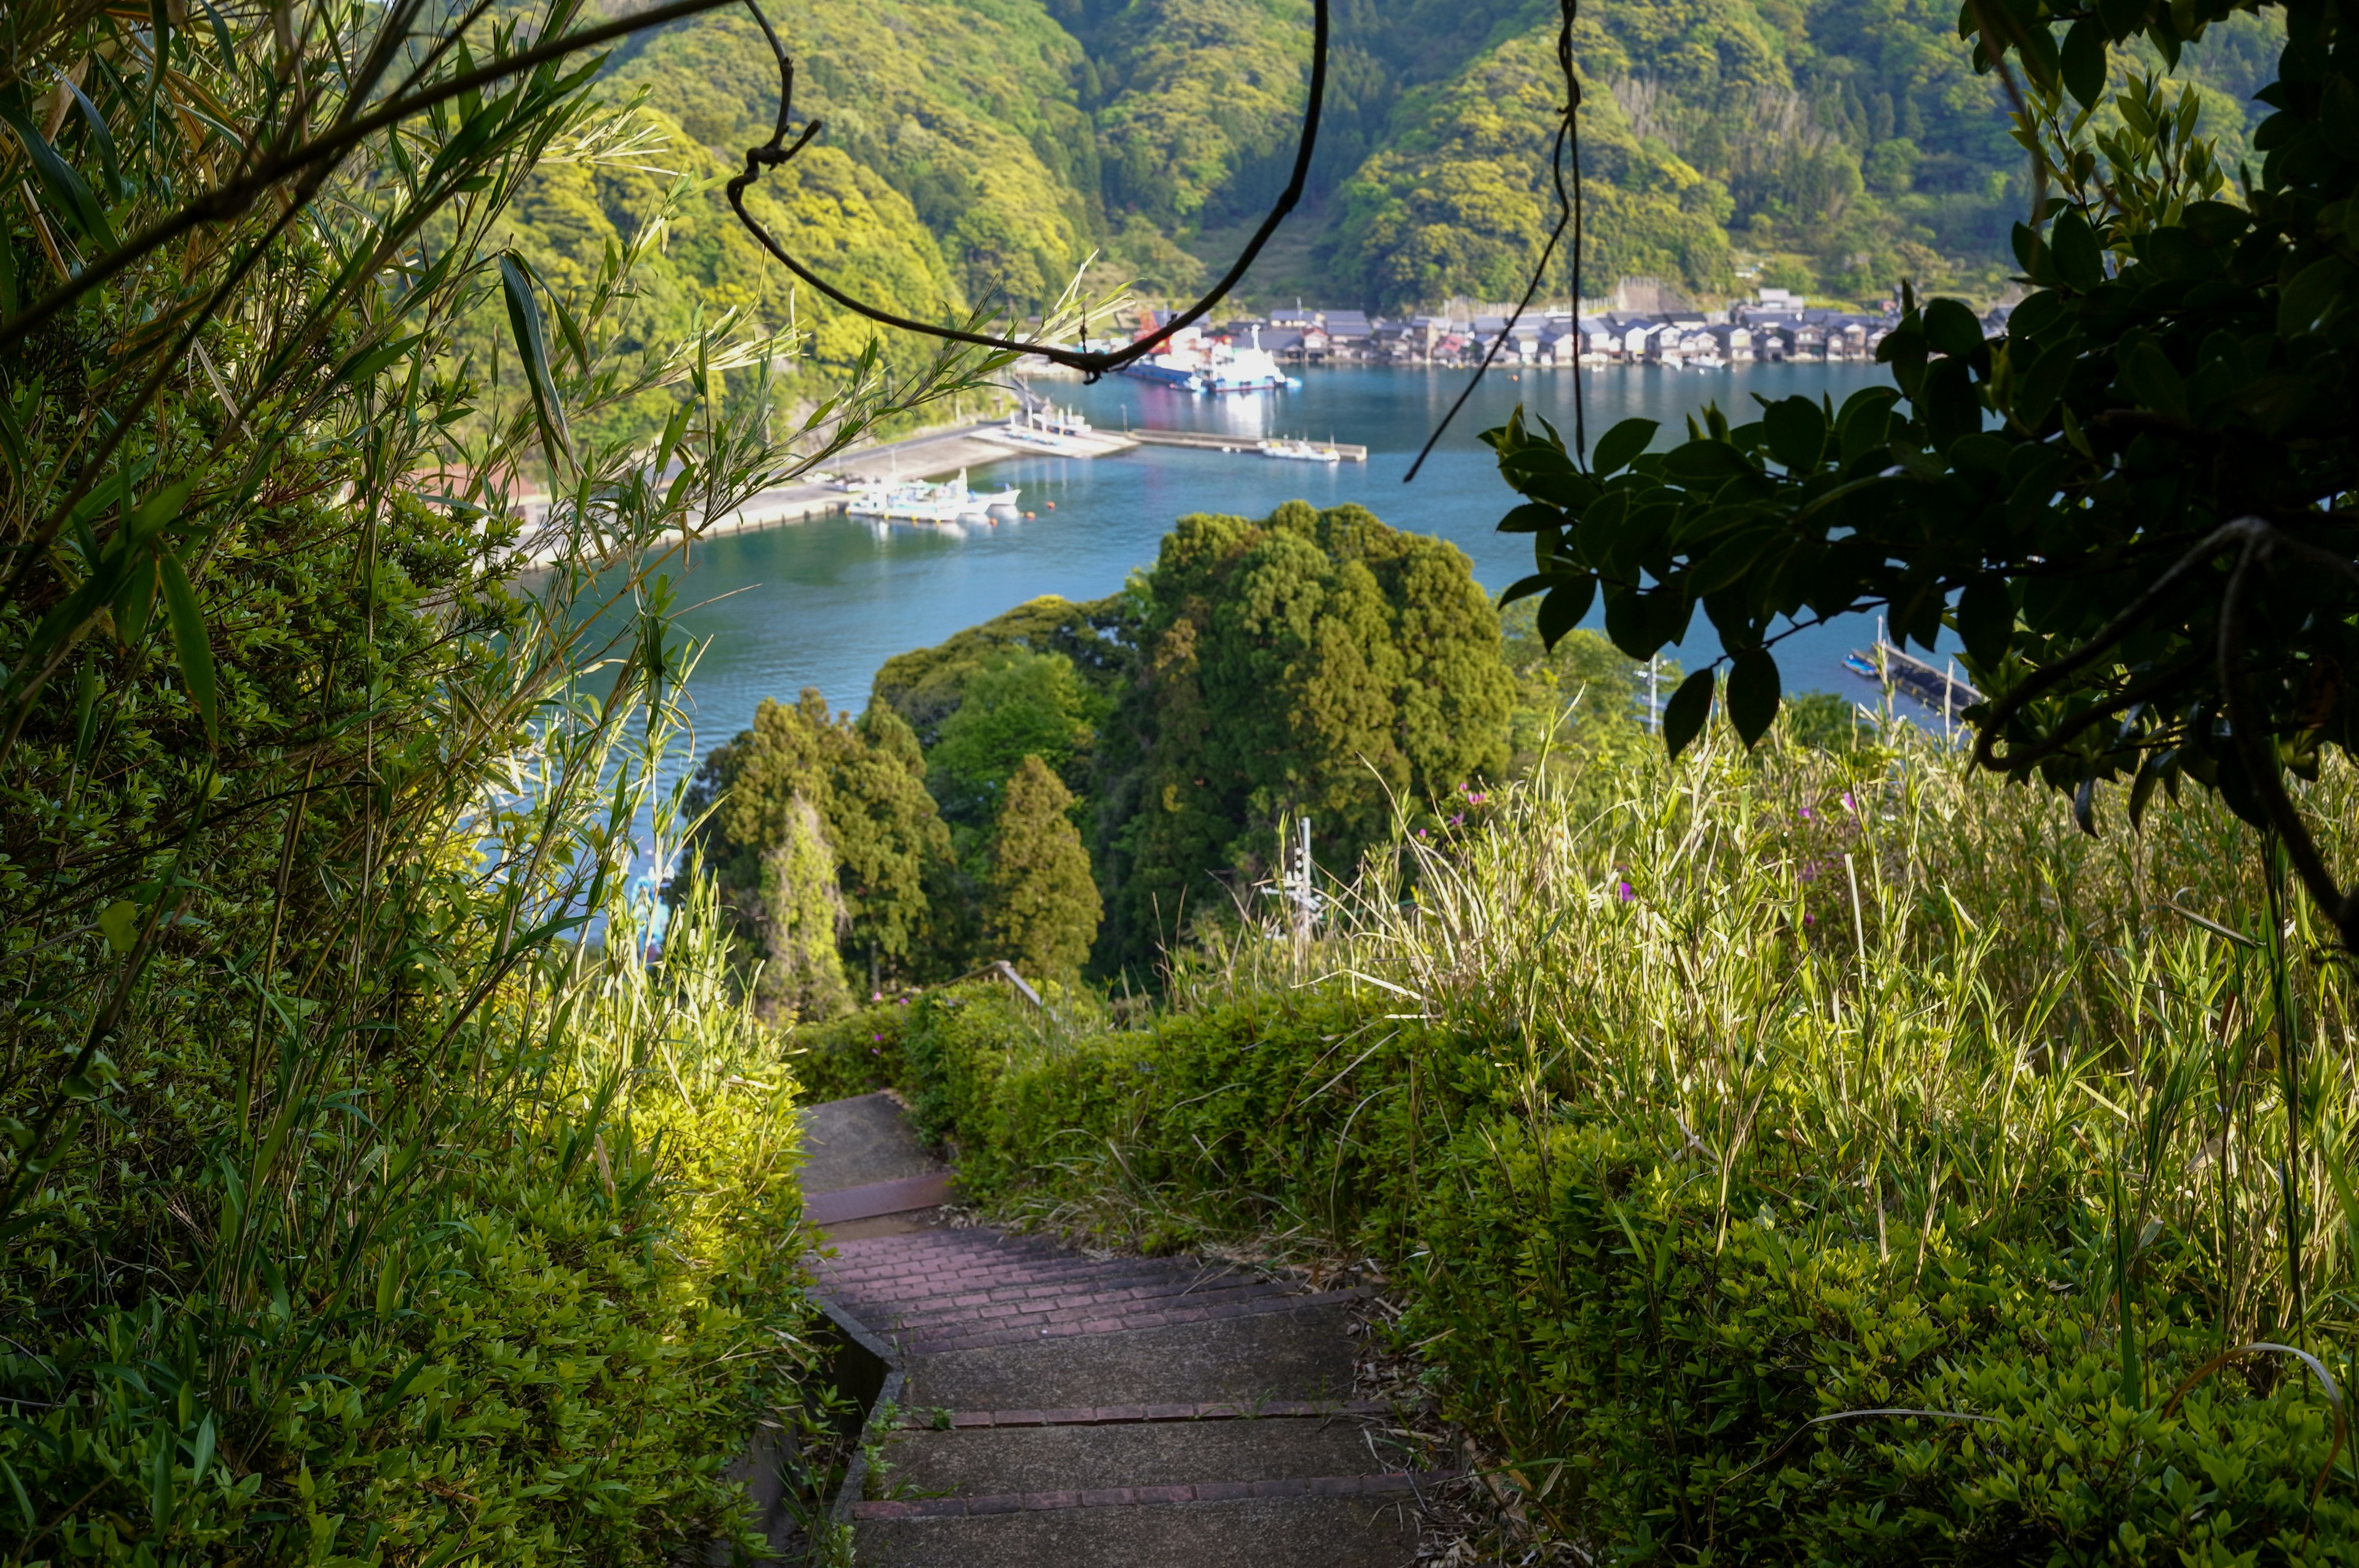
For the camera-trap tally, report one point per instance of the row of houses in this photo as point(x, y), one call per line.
point(1772, 326)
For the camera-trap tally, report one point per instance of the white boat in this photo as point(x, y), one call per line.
point(1192, 364)
point(1709, 361)
point(1300, 450)
point(920, 501)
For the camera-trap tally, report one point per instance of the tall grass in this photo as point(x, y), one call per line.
point(1898, 973)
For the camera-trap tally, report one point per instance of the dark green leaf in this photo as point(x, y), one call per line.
point(1600, 526)
point(1698, 461)
point(2312, 295)
point(1753, 694)
point(2150, 379)
point(1985, 620)
point(157, 513)
point(1730, 558)
point(134, 599)
point(2085, 61)
point(1530, 518)
point(1797, 429)
point(1683, 715)
point(1954, 330)
point(1565, 608)
point(188, 637)
point(65, 186)
point(2072, 246)
point(101, 137)
point(1524, 588)
point(1622, 443)
point(1625, 623)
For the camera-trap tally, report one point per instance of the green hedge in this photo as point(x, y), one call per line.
point(1644, 1358)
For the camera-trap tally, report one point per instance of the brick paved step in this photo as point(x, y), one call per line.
point(985, 1462)
point(1084, 1297)
point(1090, 1405)
point(967, 1337)
point(1359, 1531)
point(968, 1276)
point(1297, 1351)
point(940, 1253)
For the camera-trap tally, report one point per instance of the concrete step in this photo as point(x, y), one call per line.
point(992, 1461)
point(1298, 1352)
point(852, 1143)
point(1365, 1530)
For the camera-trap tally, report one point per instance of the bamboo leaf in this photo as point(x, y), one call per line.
point(188, 637)
point(524, 315)
point(65, 186)
point(101, 138)
point(203, 1457)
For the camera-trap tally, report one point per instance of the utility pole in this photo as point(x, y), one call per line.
point(1296, 874)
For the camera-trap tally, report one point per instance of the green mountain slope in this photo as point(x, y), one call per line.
point(993, 145)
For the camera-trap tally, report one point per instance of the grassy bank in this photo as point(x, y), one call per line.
point(1812, 1159)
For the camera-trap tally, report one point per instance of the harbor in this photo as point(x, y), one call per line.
point(911, 480)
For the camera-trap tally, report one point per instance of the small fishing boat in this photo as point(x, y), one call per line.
point(922, 501)
point(1300, 452)
point(1904, 672)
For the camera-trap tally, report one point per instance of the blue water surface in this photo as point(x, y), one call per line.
point(823, 603)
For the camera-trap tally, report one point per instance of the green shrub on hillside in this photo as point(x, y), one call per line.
point(925, 685)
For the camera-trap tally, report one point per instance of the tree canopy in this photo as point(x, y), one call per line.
point(1310, 664)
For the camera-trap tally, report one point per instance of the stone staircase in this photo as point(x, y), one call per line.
point(1071, 1412)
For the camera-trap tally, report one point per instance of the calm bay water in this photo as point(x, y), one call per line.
point(824, 604)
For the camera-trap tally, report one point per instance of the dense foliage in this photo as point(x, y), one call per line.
point(2135, 508)
point(367, 1193)
point(845, 800)
point(1798, 1158)
point(1042, 911)
point(1310, 664)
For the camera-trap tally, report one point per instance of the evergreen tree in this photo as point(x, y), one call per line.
point(1044, 909)
point(867, 780)
point(1314, 663)
point(1017, 704)
point(801, 913)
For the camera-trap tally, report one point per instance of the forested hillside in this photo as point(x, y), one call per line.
point(980, 149)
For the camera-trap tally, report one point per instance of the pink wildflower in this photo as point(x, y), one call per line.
point(1625, 892)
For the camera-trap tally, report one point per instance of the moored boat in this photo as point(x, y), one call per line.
point(1300, 450)
point(1191, 363)
point(924, 501)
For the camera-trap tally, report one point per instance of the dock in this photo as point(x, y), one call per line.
point(930, 455)
point(1209, 441)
